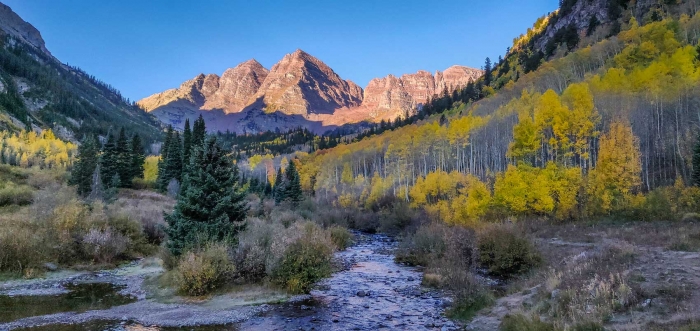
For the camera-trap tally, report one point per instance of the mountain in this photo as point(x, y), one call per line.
point(390, 97)
point(38, 91)
point(298, 91)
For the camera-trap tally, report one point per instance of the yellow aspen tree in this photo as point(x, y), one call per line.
point(618, 170)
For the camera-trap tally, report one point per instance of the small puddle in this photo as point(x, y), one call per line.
point(82, 297)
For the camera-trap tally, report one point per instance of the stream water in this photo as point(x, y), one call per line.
point(371, 292)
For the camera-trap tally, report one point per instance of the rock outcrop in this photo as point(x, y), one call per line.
point(390, 97)
point(14, 25)
point(237, 86)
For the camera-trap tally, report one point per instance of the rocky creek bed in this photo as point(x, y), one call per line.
point(370, 292)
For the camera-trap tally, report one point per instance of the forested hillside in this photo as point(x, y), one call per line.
point(604, 119)
point(37, 90)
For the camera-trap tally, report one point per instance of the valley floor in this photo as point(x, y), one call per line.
point(371, 291)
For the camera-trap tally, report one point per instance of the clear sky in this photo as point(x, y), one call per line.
point(146, 46)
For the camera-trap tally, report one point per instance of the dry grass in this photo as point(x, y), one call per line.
point(60, 228)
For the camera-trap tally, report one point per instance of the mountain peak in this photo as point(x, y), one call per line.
point(15, 26)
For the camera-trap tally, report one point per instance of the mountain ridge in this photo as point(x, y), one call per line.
point(301, 86)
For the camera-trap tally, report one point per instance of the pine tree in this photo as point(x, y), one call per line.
point(293, 190)
point(199, 132)
point(84, 166)
point(210, 206)
point(186, 145)
point(487, 72)
point(279, 190)
point(162, 179)
point(173, 162)
point(123, 157)
point(696, 163)
point(108, 162)
point(138, 157)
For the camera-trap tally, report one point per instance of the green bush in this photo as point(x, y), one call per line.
point(522, 323)
point(13, 194)
point(199, 273)
point(505, 253)
point(465, 308)
point(305, 262)
point(341, 237)
point(423, 247)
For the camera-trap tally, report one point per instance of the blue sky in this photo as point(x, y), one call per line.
point(146, 46)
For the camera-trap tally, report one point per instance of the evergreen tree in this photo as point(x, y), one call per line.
point(696, 163)
point(210, 206)
point(293, 191)
point(279, 190)
point(199, 132)
point(123, 157)
point(268, 189)
point(138, 157)
point(173, 162)
point(162, 179)
point(109, 161)
point(487, 72)
point(186, 144)
point(85, 166)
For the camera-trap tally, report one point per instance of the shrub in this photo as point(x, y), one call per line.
point(522, 323)
point(105, 245)
point(13, 194)
point(470, 296)
point(505, 253)
point(254, 248)
point(423, 247)
point(199, 273)
point(331, 216)
point(399, 217)
point(341, 237)
point(305, 261)
point(363, 221)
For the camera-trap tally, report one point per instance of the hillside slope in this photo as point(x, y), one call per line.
point(37, 89)
point(568, 113)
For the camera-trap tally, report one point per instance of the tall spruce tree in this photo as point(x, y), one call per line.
point(696, 163)
point(109, 163)
point(199, 132)
point(488, 75)
point(138, 157)
point(173, 162)
point(123, 157)
point(84, 166)
point(210, 206)
point(161, 180)
point(293, 191)
point(186, 145)
point(279, 189)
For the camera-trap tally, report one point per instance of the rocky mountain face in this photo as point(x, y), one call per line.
point(300, 90)
point(391, 96)
point(301, 84)
point(15, 26)
point(579, 14)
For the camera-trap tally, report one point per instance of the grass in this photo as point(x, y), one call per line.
point(464, 309)
point(43, 220)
